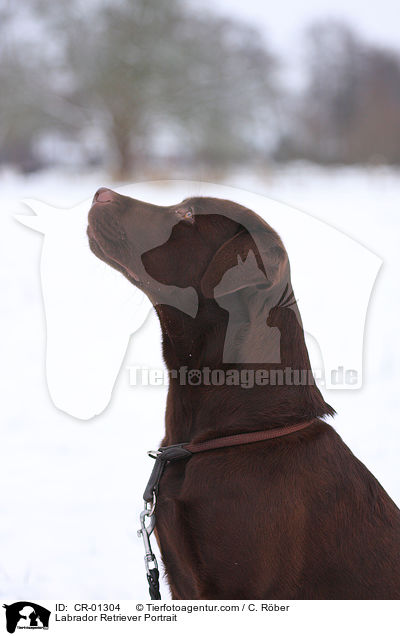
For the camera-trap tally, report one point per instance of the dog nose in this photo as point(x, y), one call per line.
point(103, 195)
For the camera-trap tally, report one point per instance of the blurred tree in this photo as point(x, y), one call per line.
point(226, 91)
point(350, 109)
point(31, 102)
point(147, 73)
point(375, 132)
point(19, 121)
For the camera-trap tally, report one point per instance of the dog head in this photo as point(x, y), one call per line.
point(214, 247)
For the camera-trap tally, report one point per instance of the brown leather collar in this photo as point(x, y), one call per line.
point(167, 454)
point(244, 438)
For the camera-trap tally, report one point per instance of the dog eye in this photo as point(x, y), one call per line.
point(186, 214)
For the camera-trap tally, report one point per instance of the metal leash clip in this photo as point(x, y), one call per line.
point(145, 532)
point(150, 560)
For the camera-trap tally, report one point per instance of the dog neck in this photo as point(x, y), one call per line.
point(234, 396)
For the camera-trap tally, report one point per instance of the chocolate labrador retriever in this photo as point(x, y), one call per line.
point(293, 517)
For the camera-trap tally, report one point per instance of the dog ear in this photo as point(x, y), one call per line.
point(244, 261)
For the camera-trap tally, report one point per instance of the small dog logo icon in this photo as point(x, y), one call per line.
point(25, 614)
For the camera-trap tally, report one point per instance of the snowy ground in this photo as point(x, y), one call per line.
point(71, 491)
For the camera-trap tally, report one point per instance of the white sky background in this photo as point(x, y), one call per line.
point(283, 22)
